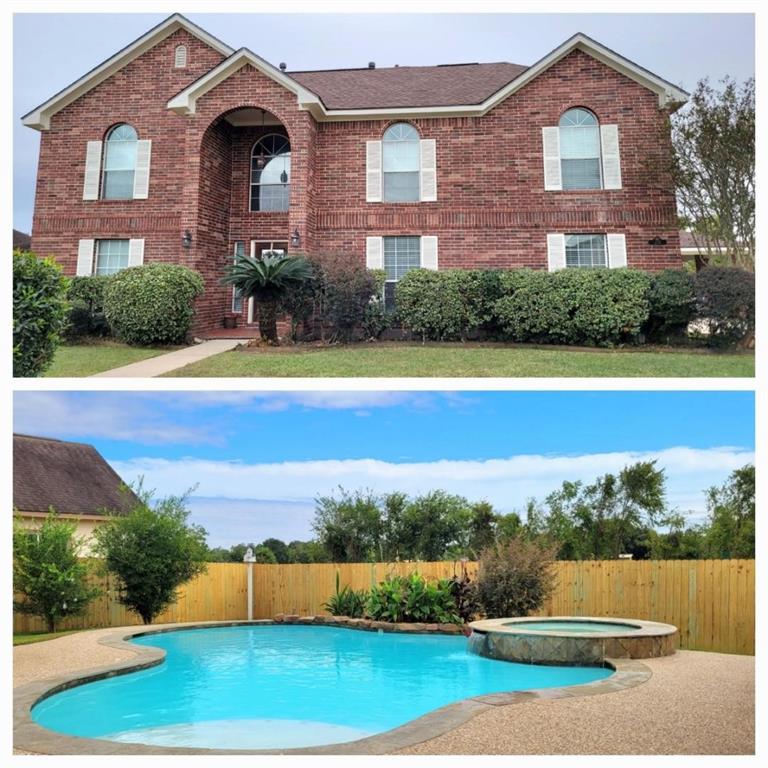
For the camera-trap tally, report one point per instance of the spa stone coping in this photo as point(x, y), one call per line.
point(31, 737)
point(516, 626)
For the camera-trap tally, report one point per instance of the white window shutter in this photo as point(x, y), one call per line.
point(141, 176)
point(617, 251)
point(555, 251)
point(429, 252)
point(550, 139)
point(374, 252)
point(85, 258)
point(428, 175)
point(609, 141)
point(92, 170)
point(373, 171)
point(136, 252)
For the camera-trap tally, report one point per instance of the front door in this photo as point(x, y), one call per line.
point(258, 249)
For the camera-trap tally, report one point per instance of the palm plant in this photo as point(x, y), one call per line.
point(267, 279)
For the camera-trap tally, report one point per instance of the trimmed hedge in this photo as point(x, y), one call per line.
point(440, 306)
point(39, 312)
point(725, 300)
point(152, 304)
point(672, 303)
point(86, 315)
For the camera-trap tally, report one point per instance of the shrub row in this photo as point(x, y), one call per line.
point(600, 307)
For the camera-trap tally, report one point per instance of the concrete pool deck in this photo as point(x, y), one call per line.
point(694, 703)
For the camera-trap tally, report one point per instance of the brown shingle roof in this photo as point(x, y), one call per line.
point(21, 240)
point(73, 478)
point(447, 85)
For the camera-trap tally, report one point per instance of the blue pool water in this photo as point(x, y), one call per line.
point(573, 626)
point(287, 686)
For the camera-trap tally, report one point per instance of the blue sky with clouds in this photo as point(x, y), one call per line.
point(259, 459)
point(680, 47)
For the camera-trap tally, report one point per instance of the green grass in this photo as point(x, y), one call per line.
point(470, 360)
point(95, 357)
point(25, 638)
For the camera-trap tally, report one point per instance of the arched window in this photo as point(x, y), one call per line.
point(180, 57)
point(580, 150)
point(271, 173)
point(119, 163)
point(400, 151)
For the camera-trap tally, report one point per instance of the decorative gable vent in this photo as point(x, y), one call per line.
point(180, 59)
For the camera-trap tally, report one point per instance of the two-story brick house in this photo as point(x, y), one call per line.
point(181, 149)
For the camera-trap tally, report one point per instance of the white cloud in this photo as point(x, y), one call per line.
point(115, 416)
point(506, 483)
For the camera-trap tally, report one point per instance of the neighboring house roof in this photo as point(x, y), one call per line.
point(72, 478)
point(689, 247)
point(21, 240)
point(462, 89)
point(443, 85)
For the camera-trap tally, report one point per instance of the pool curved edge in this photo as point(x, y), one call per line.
point(28, 736)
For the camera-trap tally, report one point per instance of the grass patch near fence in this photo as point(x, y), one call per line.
point(396, 359)
point(26, 638)
point(97, 356)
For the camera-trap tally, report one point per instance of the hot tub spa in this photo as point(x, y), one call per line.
point(571, 639)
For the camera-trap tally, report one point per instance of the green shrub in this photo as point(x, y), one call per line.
point(515, 578)
point(596, 307)
point(439, 306)
point(725, 299)
point(347, 602)
point(413, 598)
point(672, 303)
point(86, 314)
point(39, 312)
point(343, 296)
point(152, 304)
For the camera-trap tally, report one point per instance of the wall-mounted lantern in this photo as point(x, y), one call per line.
point(186, 239)
point(295, 239)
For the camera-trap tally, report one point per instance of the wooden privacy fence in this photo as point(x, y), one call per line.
point(712, 602)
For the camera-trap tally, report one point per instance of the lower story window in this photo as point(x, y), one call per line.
point(401, 254)
point(237, 296)
point(585, 251)
point(111, 256)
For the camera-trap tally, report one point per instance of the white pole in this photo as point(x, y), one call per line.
point(249, 560)
point(250, 591)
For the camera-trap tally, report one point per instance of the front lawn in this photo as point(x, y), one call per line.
point(97, 356)
point(396, 359)
point(25, 638)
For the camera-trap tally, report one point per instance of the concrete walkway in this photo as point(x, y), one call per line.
point(156, 366)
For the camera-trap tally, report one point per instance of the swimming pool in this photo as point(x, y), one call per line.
point(264, 687)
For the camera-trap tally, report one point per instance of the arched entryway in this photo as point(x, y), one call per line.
point(243, 205)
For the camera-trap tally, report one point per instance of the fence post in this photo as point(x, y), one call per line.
point(249, 560)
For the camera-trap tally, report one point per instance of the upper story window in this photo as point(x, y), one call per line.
point(271, 173)
point(119, 163)
point(401, 163)
point(580, 150)
point(180, 57)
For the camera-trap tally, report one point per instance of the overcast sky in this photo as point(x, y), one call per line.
point(681, 48)
point(259, 459)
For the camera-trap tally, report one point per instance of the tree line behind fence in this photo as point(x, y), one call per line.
point(712, 602)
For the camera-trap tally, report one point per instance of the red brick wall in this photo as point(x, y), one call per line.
point(492, 209)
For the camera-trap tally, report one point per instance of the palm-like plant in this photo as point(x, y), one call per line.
point(267, 279)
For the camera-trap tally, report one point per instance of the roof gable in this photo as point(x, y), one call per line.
point(40, 117)
point(73, 478)
point(185, 102)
